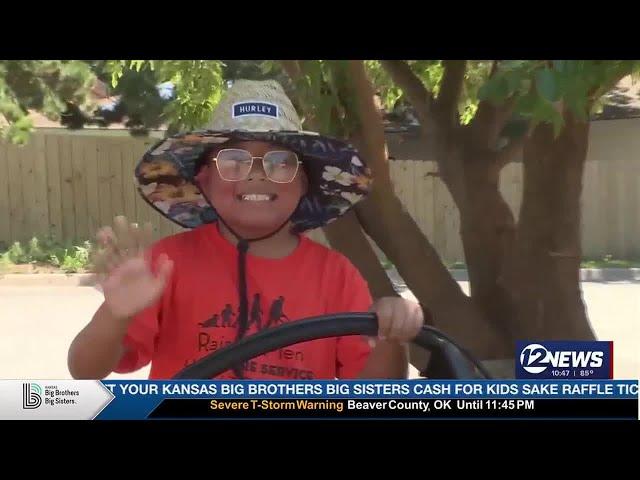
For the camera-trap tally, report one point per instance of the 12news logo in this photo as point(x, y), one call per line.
point(570, 360)
point(31, 396)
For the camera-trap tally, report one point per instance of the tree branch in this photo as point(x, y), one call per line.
point(373, 140)
point(413, 88)
point(489, 121)
point(450, 88)
point(293, 69)
point(506, 154)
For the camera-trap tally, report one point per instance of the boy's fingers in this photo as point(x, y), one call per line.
point(384, 313)
point(101, 278)
point(124, 235)
point(135, 240)
point(112, 261)
point(100, 257)
point(109, 241)
point(145, 236)
point(98, 262)
point(105, 236)
point(400, 319)
point(419, 321)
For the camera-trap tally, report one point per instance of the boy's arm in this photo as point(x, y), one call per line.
point(98, 348)
point(133, 280)
point(387, 359)
point(359, 357)
point(399, 321)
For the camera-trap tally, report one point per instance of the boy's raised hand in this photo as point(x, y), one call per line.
point(128, 281)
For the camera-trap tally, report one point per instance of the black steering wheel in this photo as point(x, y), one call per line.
point(448, 360)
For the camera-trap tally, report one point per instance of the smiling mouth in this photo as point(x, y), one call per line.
point(257, 197)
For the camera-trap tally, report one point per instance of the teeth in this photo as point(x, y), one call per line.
point(256, 197)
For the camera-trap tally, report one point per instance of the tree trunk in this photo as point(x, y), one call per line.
point(346, 236)
point(544, 267)
point(394, 230)
point(487, 230)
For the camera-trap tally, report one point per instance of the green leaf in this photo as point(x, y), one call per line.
point(514, 80)
point(546, 85)
point(486, 91)
point(543, 110)
point(526, 104)
point(577, 103)
point(267, 66)
point(137, 64)
point(495, 90)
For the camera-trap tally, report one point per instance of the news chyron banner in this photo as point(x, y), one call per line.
point(307, 399)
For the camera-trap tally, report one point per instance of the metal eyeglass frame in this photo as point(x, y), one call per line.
point(215, 159)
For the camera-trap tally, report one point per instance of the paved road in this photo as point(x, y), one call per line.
point(38, 323)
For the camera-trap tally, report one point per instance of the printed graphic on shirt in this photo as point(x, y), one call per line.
point(209, 340)
point(228, 317)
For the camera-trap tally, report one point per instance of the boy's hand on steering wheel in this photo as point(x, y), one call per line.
point(127, 278)
point(399, 319)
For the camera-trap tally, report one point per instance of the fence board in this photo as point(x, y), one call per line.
point(66, 187)
point(104, 179)
point(17, 209)
point(26, 154)
point(5, 203)
point(79, 176)
point(129, 189)
point(40, 218)
point(93, 200)
point(54, 192)
point(115, 180)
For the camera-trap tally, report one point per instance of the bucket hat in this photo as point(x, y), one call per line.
point(253, 111)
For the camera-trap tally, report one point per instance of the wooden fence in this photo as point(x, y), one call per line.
point(67, 185)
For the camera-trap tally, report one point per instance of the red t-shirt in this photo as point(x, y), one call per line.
point(197, 313)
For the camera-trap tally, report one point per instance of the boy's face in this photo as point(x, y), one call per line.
point(253, 206)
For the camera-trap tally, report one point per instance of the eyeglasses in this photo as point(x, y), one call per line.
point(235, 165)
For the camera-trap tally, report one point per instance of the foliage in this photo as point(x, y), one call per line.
point(69, 258)
point(52, 87)
point(198, 85)
point(541, 88)
point(544, 89)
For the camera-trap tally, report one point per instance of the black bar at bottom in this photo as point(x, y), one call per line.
point(398, 408)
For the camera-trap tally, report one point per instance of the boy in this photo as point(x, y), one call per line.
point(246, 188)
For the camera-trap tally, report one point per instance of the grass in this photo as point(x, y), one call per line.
point(608, 262)
point(47, 252)
point(605, 262)
point(71, 258)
